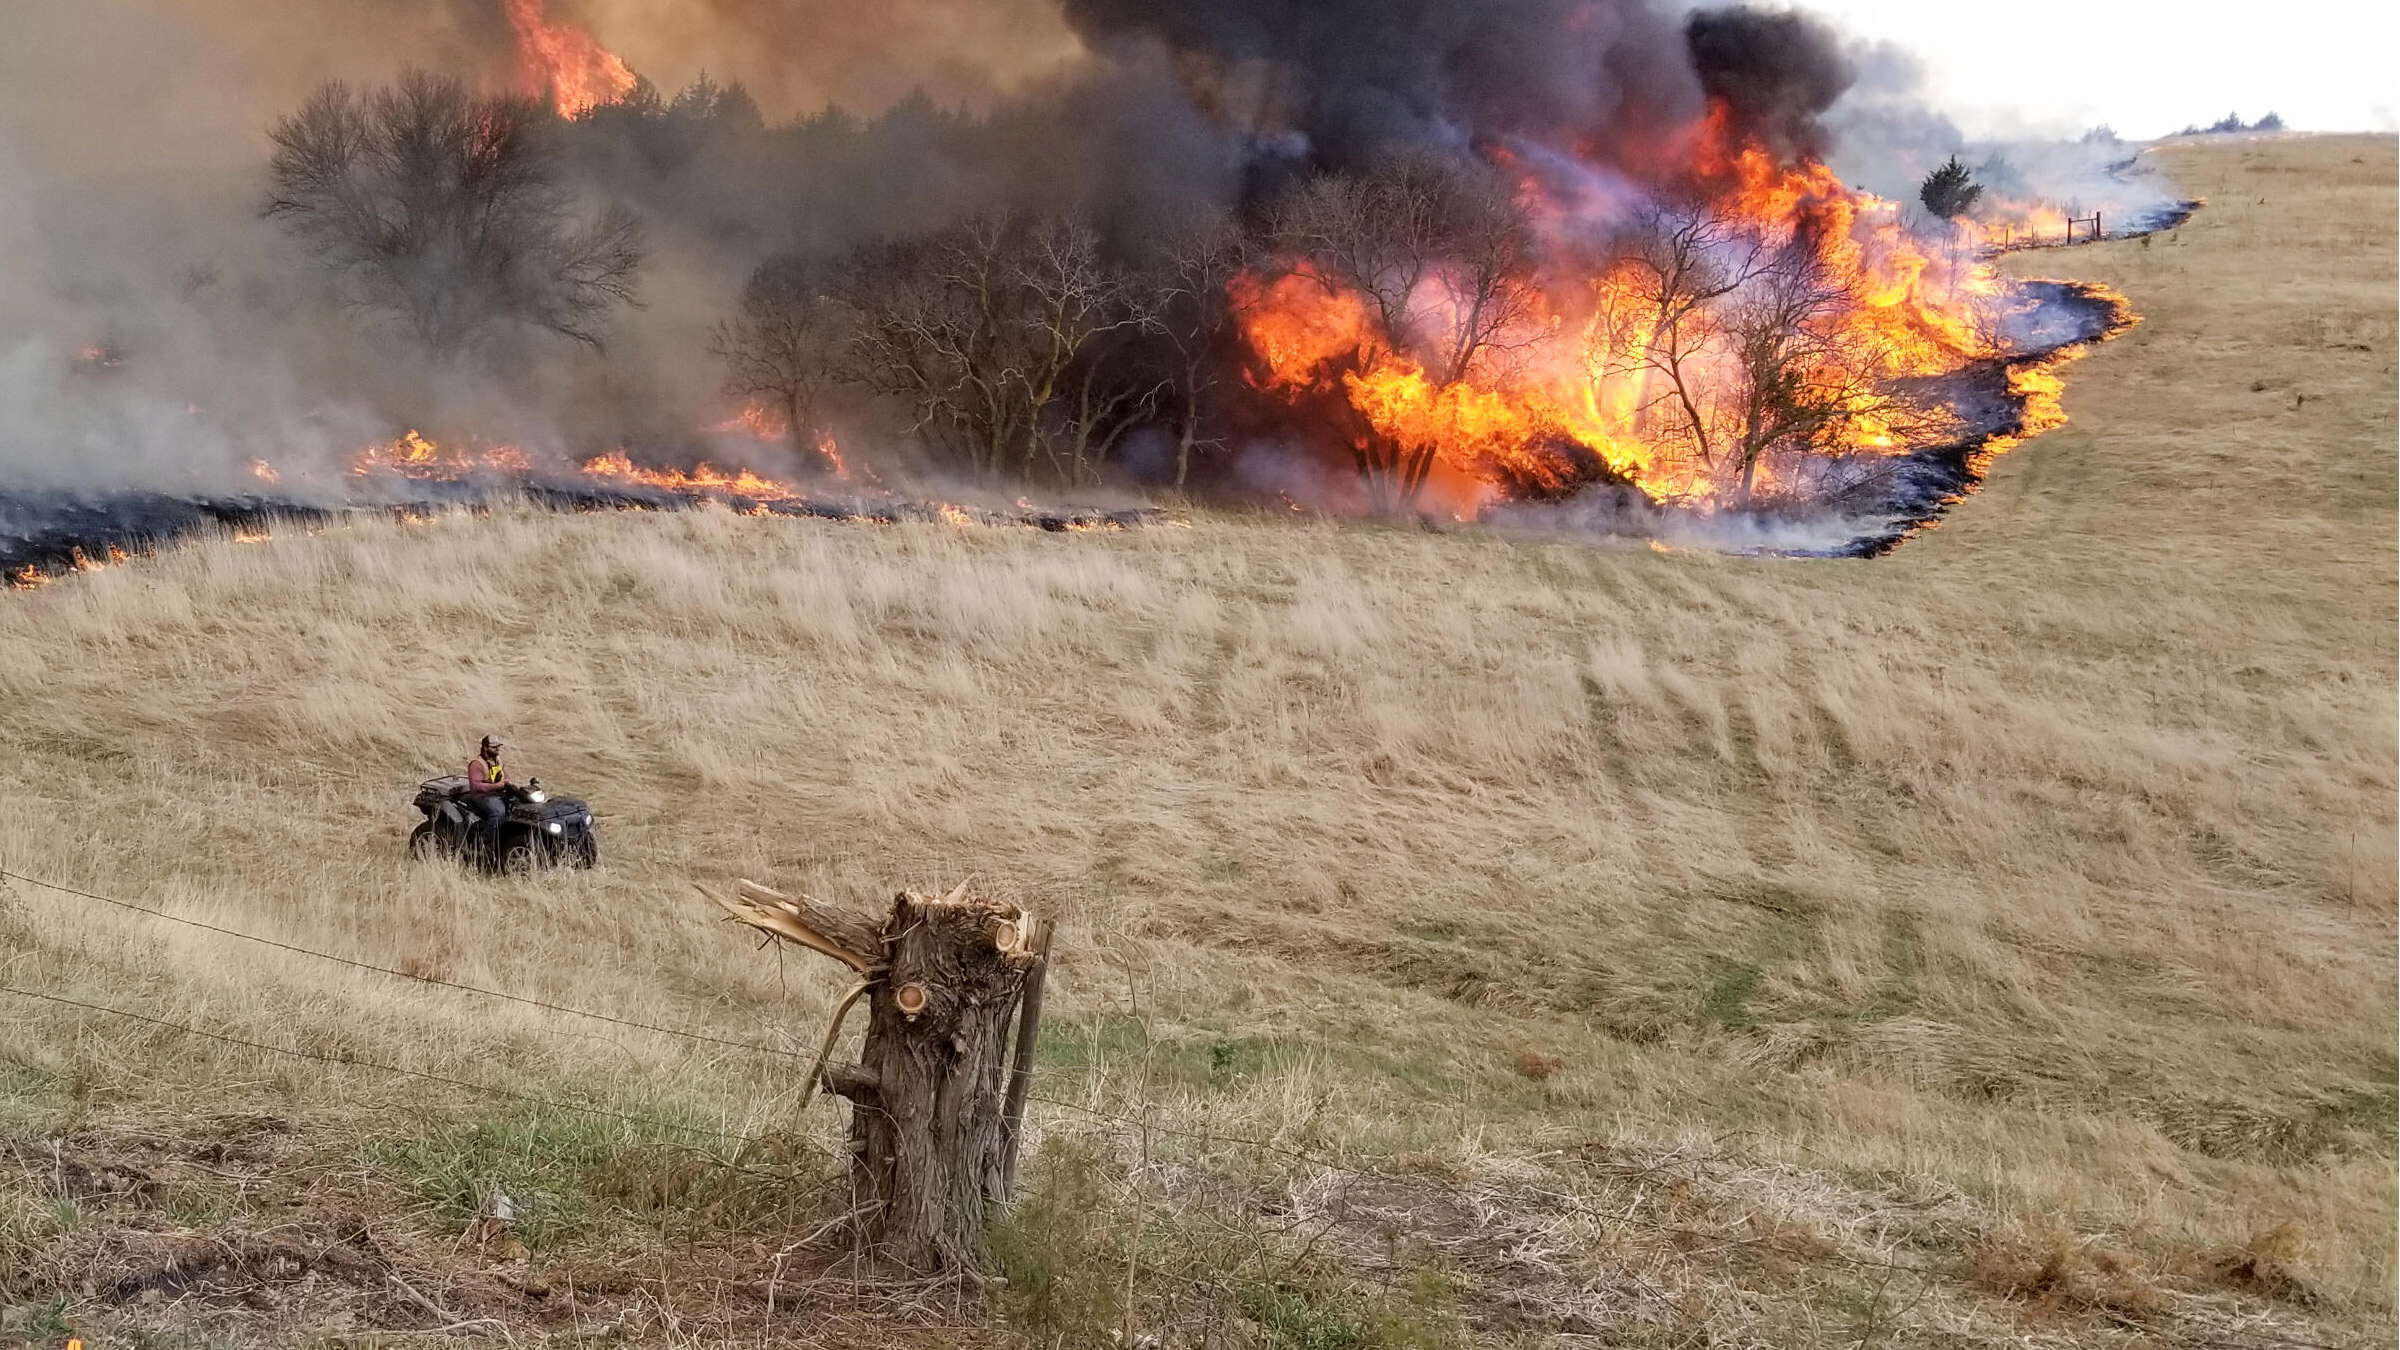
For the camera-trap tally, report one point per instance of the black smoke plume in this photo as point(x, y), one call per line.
point(1352, 78)
point(1777, 73)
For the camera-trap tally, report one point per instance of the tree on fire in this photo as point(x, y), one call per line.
point(443, 207)
point(1441, 252)
point(1798, 385)
point(1660, 325)
point(1736, 345)
point(784, 346)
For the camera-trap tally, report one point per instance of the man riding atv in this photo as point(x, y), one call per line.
point(487, 790)
point(488, 820)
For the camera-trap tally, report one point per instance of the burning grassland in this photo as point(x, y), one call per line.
point(1468, 937)
point(413, 478)
point(1602, 267)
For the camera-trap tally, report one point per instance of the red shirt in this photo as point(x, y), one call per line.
point(485, 775)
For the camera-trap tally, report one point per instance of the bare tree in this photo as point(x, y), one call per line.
point(1077, 306)
point(993, 338)
point(1659, 322)
point(1802, 384)
point(1196, 265)
point(785, 345)
point(1441, 253)
point(929, 335)
point(443, 207)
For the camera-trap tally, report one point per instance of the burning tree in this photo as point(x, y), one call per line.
point(785, 345)
point(1659, 327)
point(1739, 349)
point(1438, 251)
point(443, 207)
point(1803, 380)
point(1746, 324)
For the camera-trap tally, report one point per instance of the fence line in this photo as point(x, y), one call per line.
point(2032, 238)
point(751, 1046)
point(356, 1063)
point(1135, 1122)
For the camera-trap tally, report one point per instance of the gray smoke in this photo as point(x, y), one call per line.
point(1886, 137)
point(155, 331)
point(1353, 77)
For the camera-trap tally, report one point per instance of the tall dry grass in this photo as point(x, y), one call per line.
point(2052, 857)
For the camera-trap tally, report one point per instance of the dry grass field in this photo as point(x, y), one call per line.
point(1992, 944)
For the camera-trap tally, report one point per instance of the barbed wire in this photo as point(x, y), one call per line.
point(1135, 1122)
point(411, 975)
point(352, 1061)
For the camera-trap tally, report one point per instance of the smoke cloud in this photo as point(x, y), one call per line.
point(157, 332)
point(1776, 72)
point(1345, 79)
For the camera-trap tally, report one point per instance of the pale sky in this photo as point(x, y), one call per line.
point(2145, 67)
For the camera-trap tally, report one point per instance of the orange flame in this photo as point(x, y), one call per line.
point(831, 449)
point(1569, 374)
point(618, 466)
point(564, 62)
point(758, 420)
point(414, 455)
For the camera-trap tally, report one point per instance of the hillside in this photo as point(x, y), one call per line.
point(1988, 944)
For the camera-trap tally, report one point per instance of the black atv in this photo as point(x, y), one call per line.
point(540, 830)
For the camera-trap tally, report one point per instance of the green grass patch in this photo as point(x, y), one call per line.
point(569, 1176)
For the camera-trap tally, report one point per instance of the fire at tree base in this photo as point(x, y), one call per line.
point(1867, 505)
point(1883, 500)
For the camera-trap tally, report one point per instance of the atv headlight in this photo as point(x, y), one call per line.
point(556, 828)
point(585, 820)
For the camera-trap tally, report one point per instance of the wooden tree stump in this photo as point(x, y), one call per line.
point(927, 1129)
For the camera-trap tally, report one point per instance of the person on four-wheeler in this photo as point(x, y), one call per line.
point(484, 818)
point(487, 789)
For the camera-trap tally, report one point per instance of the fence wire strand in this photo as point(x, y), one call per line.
point(1135, 1122)
point(704, 1037)
point(351, 1061)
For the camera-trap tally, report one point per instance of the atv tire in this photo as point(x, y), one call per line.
point(586, 852)
point(520, 859)
point(424, 845)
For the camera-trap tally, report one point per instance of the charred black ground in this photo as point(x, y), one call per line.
point(44, 534)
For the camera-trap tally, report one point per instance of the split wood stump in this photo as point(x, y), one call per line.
point(932, 1137)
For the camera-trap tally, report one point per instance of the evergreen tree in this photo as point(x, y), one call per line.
point(1950, 191)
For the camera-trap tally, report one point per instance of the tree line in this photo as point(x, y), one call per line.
point(1017, 344)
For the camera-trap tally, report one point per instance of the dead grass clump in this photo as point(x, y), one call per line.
point(2220, 1128)
point(1535, 1065)
point(2057, 1271)
point(2264, 1266)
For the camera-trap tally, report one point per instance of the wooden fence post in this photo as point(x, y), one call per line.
point(1020, 1079)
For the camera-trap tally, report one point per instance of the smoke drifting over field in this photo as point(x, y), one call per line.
point(157, 332)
